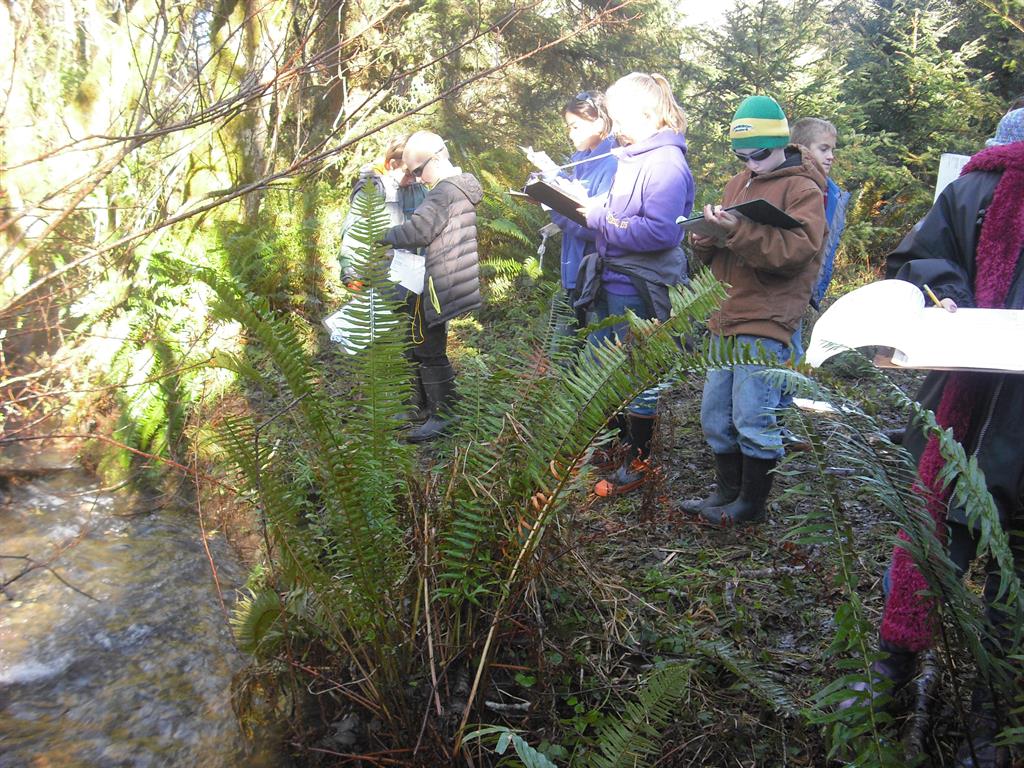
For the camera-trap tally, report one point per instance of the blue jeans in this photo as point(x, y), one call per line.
point(606, 305)
point(738, 410)
point(798, 352)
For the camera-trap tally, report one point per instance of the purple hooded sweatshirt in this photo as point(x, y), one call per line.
point(652, 188)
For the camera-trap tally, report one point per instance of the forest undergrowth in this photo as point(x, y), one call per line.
point(625, 594)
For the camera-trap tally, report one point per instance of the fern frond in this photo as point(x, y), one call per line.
point(885, 475)
point(632, 738)
point(254, 620)
point(508, 229)
point(348, 546)
point(750, 673)
point(536, 446)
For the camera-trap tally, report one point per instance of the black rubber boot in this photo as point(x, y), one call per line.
point(439, 389)
point(898, 666)
point(635, 466)
point(417, 412)
point(978, 750)
point(609, 457)
point(748, 507)
point(728, 472)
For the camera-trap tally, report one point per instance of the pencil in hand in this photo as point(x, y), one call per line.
point(949, 305)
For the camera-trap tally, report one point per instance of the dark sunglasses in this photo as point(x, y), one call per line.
point(757, 155)
point(417, 172)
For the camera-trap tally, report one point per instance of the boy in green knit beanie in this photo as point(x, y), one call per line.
point(770, 272)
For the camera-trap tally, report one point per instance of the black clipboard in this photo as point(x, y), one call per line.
point(759, 211)
point(557, 199)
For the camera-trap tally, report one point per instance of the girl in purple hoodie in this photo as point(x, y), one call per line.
point(638, 249)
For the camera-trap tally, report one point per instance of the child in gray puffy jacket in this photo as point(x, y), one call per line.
point(444, 224)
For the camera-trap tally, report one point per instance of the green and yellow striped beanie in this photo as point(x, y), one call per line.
point(759, 123)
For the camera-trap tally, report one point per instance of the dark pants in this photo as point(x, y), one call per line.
point(429, 345)
point(963, 548)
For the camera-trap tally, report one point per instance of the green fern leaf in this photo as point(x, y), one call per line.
point(253, 619)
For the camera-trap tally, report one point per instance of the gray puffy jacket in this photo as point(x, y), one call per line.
point(445, 224)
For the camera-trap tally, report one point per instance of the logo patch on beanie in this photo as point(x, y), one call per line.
point(742, 127)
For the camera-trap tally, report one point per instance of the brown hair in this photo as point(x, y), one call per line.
point(590, 106)
point(653, 93)
point(807, 129)
point(394, 149)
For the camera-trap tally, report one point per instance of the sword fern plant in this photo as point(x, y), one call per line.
point(395, 578)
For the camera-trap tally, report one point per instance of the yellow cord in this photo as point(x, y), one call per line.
point(417, 318)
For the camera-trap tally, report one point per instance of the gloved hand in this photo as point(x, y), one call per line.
point(350, 279)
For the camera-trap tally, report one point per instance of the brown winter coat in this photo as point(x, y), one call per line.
point(770, 271)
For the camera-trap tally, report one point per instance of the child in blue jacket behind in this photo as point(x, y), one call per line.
point(638, 238)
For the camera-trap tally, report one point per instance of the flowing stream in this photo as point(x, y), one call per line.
point(128, 661)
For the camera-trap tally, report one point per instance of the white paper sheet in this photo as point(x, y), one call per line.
point(893, 313)
point(360, 321)
point(408, 270)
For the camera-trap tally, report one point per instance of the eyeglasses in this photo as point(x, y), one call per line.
point(757, 155)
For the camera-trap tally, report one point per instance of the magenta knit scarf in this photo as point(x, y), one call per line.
point(908, 621)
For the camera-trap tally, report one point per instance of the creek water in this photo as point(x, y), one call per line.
point(130, 662)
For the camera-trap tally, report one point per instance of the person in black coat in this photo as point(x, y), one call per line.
point(968, 250)
point(444, 224)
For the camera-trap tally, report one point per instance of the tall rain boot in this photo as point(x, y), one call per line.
point(755, 486)
point(728, 472)
point(417, 412)
point(439, 388)
point(636, 464)
point(978, 750)
point(609, 457)
point(898, 666)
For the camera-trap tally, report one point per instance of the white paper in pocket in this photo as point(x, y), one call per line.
point(408, 270)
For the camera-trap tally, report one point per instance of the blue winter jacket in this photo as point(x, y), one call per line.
point(652, 188)
point(836, 201)
point(596, 176)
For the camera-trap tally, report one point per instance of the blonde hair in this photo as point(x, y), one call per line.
point(807, 129)
point(422, 145)
point(651, 93)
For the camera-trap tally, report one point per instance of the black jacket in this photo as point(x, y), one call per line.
point(650, 273)
point(940, 252)
point(445, 224)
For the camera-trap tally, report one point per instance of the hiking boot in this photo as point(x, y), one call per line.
point(749, 506)
point(897, 666)
point(728, 471)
